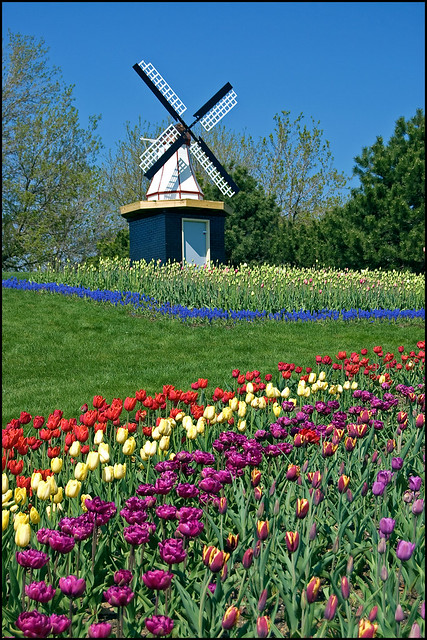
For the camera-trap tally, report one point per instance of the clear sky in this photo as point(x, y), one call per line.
point(355, 67)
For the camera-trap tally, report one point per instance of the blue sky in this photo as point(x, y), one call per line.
point(354, 67)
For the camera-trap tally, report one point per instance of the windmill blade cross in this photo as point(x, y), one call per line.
point(165, 157)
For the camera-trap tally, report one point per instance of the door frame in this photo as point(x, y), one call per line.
point(208, 238)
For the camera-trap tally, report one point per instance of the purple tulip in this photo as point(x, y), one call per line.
point(43, 535)
point(82, 530)
point(134, 516)
point(248, 558)
point(146, 490)
point(384, 476)
point(415, 631)
point(203, 457)
point(98, 506)
point(123, 576)
point(399, 616)
point(386, 527)
point(172, 551)
point(262, 600)
point(72, 586)
point(396, 463)
point(99, 630)
point(423, 610)
point(415, 483)
point(34, 624)
point(418, 506)
point(59, 541)
point(40, 591)
point(119, 596)
point(136, 534)
point(404, 550)
point(210, 485)
point(159, 625)
point(32, 558)
point(158, 580)
point(60, 623)
point(186, 490)
point(189, 513)
point(378, 488)
point(190, 528)
point(331, 607)
point(166, 512)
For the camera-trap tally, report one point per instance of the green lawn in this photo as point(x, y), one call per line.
point(59, 352)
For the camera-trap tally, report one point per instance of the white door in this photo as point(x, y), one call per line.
point(195, 241)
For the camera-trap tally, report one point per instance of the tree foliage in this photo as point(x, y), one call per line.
point(50, 182)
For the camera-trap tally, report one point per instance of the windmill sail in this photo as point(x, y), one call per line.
point(170, 141)
point(213, 168)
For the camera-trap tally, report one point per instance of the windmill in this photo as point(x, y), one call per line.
point(167, 162)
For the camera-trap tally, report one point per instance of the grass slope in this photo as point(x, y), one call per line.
point(59, 352)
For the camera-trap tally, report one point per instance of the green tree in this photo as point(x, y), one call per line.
point(251, 227)
point(383, 223)
point(50, 182)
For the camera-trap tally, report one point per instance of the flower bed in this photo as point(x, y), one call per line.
point(144, 303)
point(288, 504)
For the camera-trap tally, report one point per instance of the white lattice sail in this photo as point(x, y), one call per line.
point(211, 170)
point(155, 150)
point(163, 87)
point(219, 110)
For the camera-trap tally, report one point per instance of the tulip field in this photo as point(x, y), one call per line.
point(243, 293)
point(287, 503)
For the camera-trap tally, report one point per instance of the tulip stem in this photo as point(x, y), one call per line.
point(23, 589)
point(202, 603)
point(71, 619)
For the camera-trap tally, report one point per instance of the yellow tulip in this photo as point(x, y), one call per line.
point(92, 460)
point(6, 497)
point(119, 471)
point(108, 474)
point(5, 517)
point(129, 446)
point(192, 432)
point(72, 488)
point(241, 426)
point(201, 425)
point(221, 417)
point(209, 412)
point(187, 422)
point(121, 435)
point(315, 388)
point(34, 516)
point(43, 490)
point(312, 378)
point(322, 376)
point(346, 385)
point(307, 393)
point(233, 404)
point(179, 416)
point(75, 449)
point(59, 496)
point(286, 392)
point(82, 501)
point(255, 403)
point(164, 443)
point(249, 387)
point(262, 403)
point(23, 535)
point(20, 518)
point(271, 391)
point(81, 471)
point(52, 485)
point(277, 409)
point(4, 483)
point(98, 437)
point(104, 452)
point(249, 397)
point(35, 479)
point(354, 385)
point(165, 427)
point(50, 509)
point(20, 495)
point(241, 411)
point(156, 434)
point(56, 464)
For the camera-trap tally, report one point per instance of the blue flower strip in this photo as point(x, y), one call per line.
point(141, 301)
